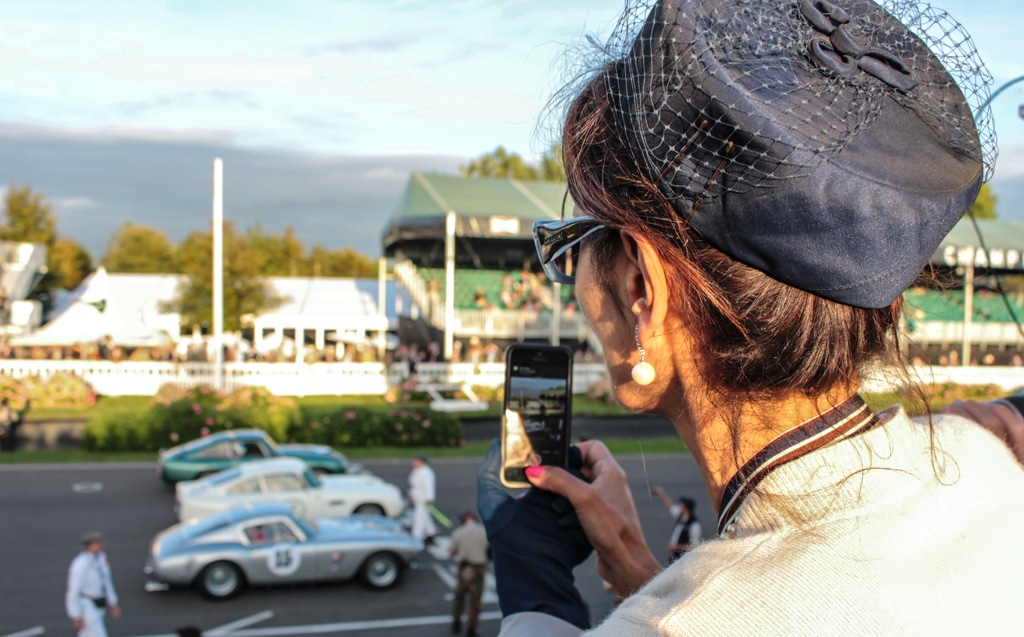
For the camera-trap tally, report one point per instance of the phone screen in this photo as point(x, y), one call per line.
point(538, 391)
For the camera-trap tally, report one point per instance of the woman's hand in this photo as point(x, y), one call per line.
point(536, 542)
point(998, 416)
point(607, 514)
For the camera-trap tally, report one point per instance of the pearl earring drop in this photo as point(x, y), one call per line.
point(643, 372)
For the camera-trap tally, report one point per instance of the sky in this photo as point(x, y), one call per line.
point(320, 109)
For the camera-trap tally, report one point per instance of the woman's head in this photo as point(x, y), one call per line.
point(789, 203)
point(758, 336)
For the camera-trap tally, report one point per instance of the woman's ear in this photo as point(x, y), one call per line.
point(646, 288)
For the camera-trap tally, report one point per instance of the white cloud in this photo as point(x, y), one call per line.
point(73, 203)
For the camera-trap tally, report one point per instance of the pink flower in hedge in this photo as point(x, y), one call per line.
point(405, 436)
point(351, 415)
point(197, 408)
point(426, 424)
point(174, 436)
point(415, 416)
point(462, 442)
point(209, 421)
point(205, 389)
point(204, 432)
point(314, 425)
point(398, 426)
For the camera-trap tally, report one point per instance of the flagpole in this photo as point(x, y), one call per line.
point(218, 274)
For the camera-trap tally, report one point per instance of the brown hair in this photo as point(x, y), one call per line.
point(760, 337)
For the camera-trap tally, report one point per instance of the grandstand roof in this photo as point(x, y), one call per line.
point(1003, 242)
point(484, 207)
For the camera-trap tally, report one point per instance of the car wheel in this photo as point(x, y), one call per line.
point(369, 509)
point(381, 570)
point(221, 580)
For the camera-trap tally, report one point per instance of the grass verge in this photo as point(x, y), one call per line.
point(470, 450)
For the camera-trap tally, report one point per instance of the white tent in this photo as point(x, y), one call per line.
point(125, 307)
point(129, 309)
point(332, 309)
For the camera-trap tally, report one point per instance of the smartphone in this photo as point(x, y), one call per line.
point(535, 428)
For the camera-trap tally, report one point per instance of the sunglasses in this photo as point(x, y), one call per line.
point(554, 238)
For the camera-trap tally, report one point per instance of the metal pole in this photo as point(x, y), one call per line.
point(556, 313)
point(449, 285)
point(218, 274)
point(965, 353)
point(382, 299)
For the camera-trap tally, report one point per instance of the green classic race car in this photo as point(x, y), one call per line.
point(225, 449)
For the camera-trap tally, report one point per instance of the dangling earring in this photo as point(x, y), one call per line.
point(643, 372)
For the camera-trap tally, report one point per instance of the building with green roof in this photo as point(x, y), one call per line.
point(493, 220)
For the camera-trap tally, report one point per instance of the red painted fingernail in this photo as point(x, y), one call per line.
point(534, 472)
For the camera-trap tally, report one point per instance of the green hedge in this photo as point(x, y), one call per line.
point(179, 415)
point(372, 427)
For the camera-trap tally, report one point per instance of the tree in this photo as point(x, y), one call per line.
point(28, 218)
point(984, 206)
point(501, 164)
point(139, 250)
point(551, 166)
point(283, 253)
point(68, 264)
point(344, 262)
point(245, 290)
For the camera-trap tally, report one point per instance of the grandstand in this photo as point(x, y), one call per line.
point(469, 240)
point(463, 249)
point(22, 266)
point(960, 315)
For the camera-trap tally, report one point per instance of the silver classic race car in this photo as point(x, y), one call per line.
point(290, 481)
point(264, 544)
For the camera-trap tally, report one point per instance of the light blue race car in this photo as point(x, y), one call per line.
point(267, 544)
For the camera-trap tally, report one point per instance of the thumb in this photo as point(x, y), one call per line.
point(560, 481)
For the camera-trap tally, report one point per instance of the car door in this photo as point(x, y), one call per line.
point(279, 552)
point(288, 487)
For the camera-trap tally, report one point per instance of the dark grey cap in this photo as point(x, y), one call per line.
point(823, 143)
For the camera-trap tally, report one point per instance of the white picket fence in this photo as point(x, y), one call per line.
point(131, 378)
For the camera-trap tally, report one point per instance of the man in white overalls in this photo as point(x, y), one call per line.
point(91, 589)
point(421, 496)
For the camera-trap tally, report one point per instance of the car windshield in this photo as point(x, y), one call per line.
point(309, 527)
point(311, 478)
point(271, 443)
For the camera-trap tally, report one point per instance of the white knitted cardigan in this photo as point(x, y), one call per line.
point(902, 530)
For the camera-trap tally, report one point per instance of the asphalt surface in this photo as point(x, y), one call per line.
point(44, 510)
point(628, 426)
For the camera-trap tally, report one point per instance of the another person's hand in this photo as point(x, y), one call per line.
point(606, 510)
point(536, 542)
point(78, 624)
point(115, 611)
point(998, 416)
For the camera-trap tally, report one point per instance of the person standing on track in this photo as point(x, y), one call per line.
point(421, 496)
point(470, 549)
point(91, 589)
